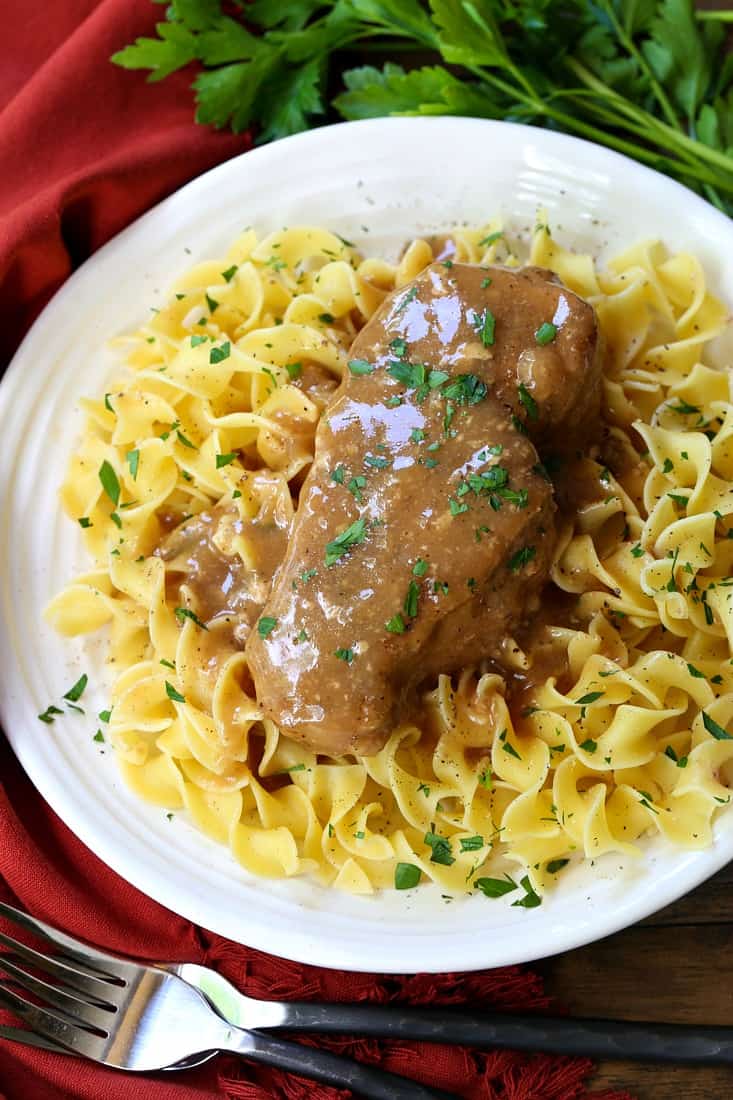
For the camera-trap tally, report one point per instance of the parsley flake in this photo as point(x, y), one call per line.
point(265, 626)
point(546, 333)
point(354, 534)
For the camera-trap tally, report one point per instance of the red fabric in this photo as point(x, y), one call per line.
point(85, 149)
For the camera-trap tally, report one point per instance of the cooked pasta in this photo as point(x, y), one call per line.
point(487, 786)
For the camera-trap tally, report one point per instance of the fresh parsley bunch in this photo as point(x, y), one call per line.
point(651, 78)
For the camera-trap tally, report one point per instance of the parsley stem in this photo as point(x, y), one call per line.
point(704, 14)
point(630, 45)
point(678, 137)
point(579, 126)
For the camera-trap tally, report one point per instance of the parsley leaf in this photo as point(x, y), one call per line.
point(352, 536)
point(266, 625)
point(495, 887)
point(406, 875)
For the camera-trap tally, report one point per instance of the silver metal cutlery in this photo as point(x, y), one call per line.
point(175, 1015)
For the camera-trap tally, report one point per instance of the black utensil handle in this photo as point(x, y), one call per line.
point(618, 1039)
point(332, 1069)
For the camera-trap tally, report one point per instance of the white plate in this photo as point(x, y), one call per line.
point(395, 178)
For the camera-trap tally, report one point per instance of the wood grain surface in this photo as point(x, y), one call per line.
point(674, 967)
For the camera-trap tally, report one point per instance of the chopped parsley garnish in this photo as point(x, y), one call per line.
point(495, 887)
point(107, 403)
point(406, 875)
point(472, 843)
point(211, 303)
point(591, 697)
point(465, 389)
point(377, 462)
point(326, 318)
point(492, 237)
point(546, 333)
point(218, 355)
point(398, 347)
point(395, 625)
point(109, 481)
point(84, 521)
point(48, 714)
point(409, 297)
point(338, 475)
point(714, 729)
point(361, 366)
point(409, 374)
point(456, 508)
point(265, 626)
point(75, 693)
point(133, 462)
point(355, 486)
point(441, 850)
point(588, 746)
point(695, 672)
point(530, 900)
point(636, 551)
point(486, 281)
point(104, 715)
point(352, 536)
point(420, 568)
point(668, 466)
point(556, 865)
point(98, 736)
point(486, 779)
point(185, 441)
point(225, 460)
point(197, 339)
point(528, 401)
point(229, 274)
point(521, 558)
point(294, 370)
point(417, 435)
point(183, 613)
point(172, 694)
point(410, 605)
point(485, 326)
point(344, 655)
point(684, 409)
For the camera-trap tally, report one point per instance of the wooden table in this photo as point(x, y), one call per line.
point(674, 967)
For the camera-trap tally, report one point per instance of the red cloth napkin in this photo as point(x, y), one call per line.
point(85, 149)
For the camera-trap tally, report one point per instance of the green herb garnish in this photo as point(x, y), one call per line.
point(361, 366)
point(183, 613)
point(521, 558)
point(528, 401)
point(265, 626)
point(714, 729)
point(354, 534)
point(110, 482)
point(495, 887)
point(546, 333)
point(406, 875)
point(485, 325)
point(173, 694)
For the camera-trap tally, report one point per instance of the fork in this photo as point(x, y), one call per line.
point(145, 1018)
point(94, 978)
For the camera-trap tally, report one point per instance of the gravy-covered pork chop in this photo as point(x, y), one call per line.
point(425, 528)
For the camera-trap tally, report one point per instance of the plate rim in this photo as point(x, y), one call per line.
point(303, 946)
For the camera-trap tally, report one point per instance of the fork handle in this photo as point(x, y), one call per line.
point(609, 1039)
point(331, 1069)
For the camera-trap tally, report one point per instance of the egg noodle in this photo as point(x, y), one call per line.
point(477, 795)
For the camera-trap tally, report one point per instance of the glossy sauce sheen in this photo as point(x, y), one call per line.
point(452, 544)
